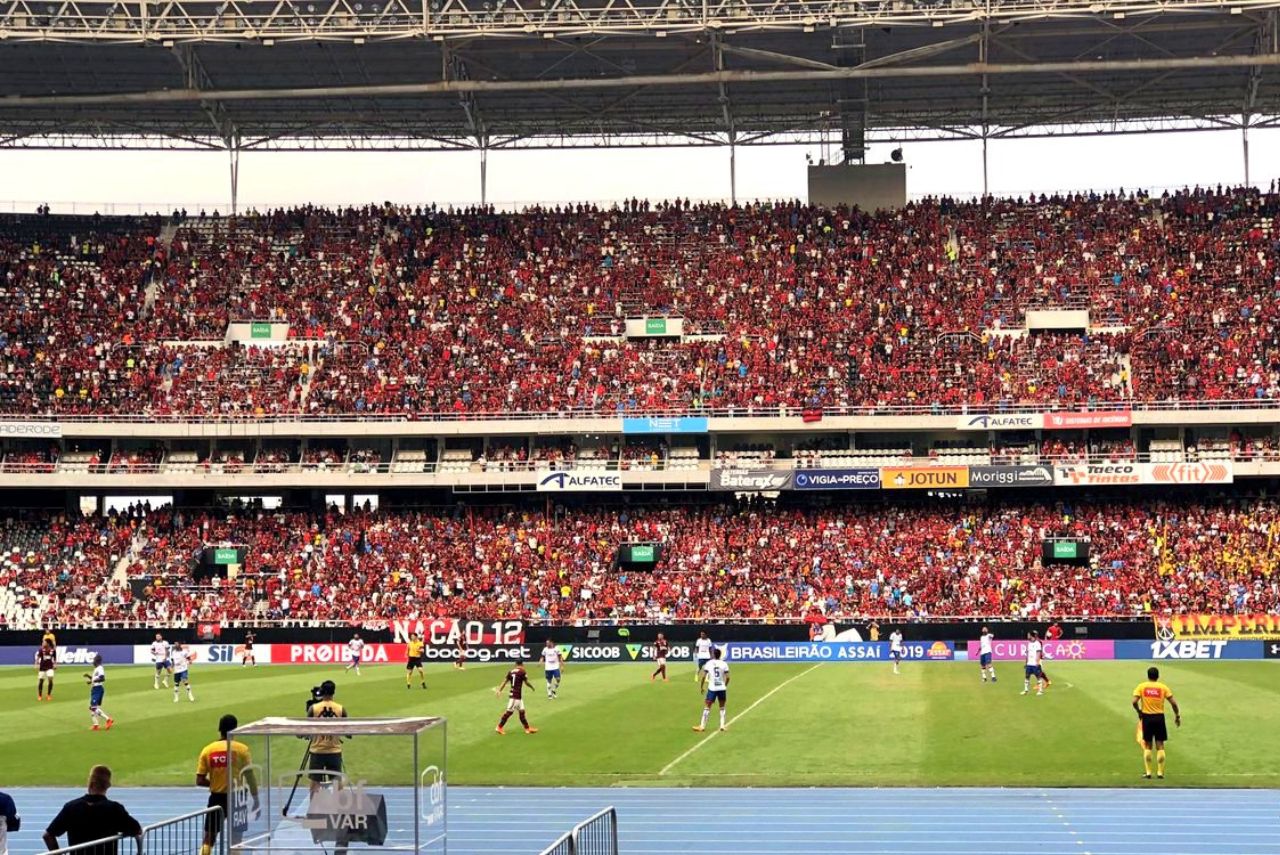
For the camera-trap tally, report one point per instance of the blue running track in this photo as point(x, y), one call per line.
point(1154, 820)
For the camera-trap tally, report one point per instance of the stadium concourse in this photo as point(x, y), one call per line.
point(391, 310)
point(755, 559)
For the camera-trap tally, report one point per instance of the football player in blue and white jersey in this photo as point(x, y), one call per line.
point(986, 645)
point(715, 679)
point(97, 681)
point(702, 649)
point(160, 658)
point(181, 666)
point(551, 668)
point(896, 650)
point(1035, 651)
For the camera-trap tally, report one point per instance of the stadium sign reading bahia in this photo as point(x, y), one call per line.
point(565, 482)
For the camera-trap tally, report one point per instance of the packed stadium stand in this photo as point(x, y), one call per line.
point(724, 559)
point(387, 310)
point(1086, 303)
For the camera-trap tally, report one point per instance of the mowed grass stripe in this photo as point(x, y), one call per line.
point(836, 721)
point(850, 724)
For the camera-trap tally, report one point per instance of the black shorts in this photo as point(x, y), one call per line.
point(214, 819)
point(1154, 728)
point(322, 763)
point(414, 662)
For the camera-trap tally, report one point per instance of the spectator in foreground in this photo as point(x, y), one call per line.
point(9, 821)
point(92, 817)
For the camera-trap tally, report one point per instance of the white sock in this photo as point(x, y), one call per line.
point(1026, 685)
point(103, 713)
point(993, 672)
point(722, 718)
point(706, 712)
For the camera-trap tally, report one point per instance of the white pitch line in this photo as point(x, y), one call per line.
point(667, 768)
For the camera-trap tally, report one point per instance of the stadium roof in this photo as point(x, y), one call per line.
point(423, 74)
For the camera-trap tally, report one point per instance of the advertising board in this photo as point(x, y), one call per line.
point(832, 651)
point(211, 654)
point(1016, 650)
point(750, 480)
point(924, 477)
point(73, 654)
point(1197, 626)
point(1079, 421)
point(836, 479)
point(1221, 649)
point(1010, 476)
point(578, 482)
point(998, 421)
point(666, 424)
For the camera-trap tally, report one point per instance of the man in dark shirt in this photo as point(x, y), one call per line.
point(91, 817)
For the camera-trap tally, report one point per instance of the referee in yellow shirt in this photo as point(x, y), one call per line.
point(414, 661)
point(1148, 700)
point(213, 771)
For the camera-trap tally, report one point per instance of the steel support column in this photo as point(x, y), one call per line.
point(233, 151)
point(726, 115)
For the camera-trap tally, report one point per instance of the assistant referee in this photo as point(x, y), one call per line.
point(213, 770)
point(1148, 700)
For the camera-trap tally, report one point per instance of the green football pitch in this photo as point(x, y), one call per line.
point(935, 724)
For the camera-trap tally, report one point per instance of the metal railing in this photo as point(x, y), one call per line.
point(595, 414)
point(102, 846)
point(381, 624)
point(869, 458)
point(597, 835)
point(182, 835)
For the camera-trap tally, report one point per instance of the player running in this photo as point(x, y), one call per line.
point(986, 644)
point(517, 679)
point(551, 667)
point(715, 679)
point(702, 654)
point(182, 670)
point(46, 665)
point(1035, 650)
point(1148, 702)
point(355, 650)
point(248, 657)
point(413, 661)
point(660, 651)
point(896, 650)
point(160, 658)
point(97, 690)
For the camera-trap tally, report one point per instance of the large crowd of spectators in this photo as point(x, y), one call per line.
point(418, 311)
point(727, 560)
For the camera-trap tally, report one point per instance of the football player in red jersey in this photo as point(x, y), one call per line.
point(461, 662)
point(660, 651)
point(46, 665)
point(517, 679)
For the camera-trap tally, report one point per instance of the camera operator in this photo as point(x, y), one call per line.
point(9, 821)
point(325, 752)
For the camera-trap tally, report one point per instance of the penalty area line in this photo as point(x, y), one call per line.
point(758, 701)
